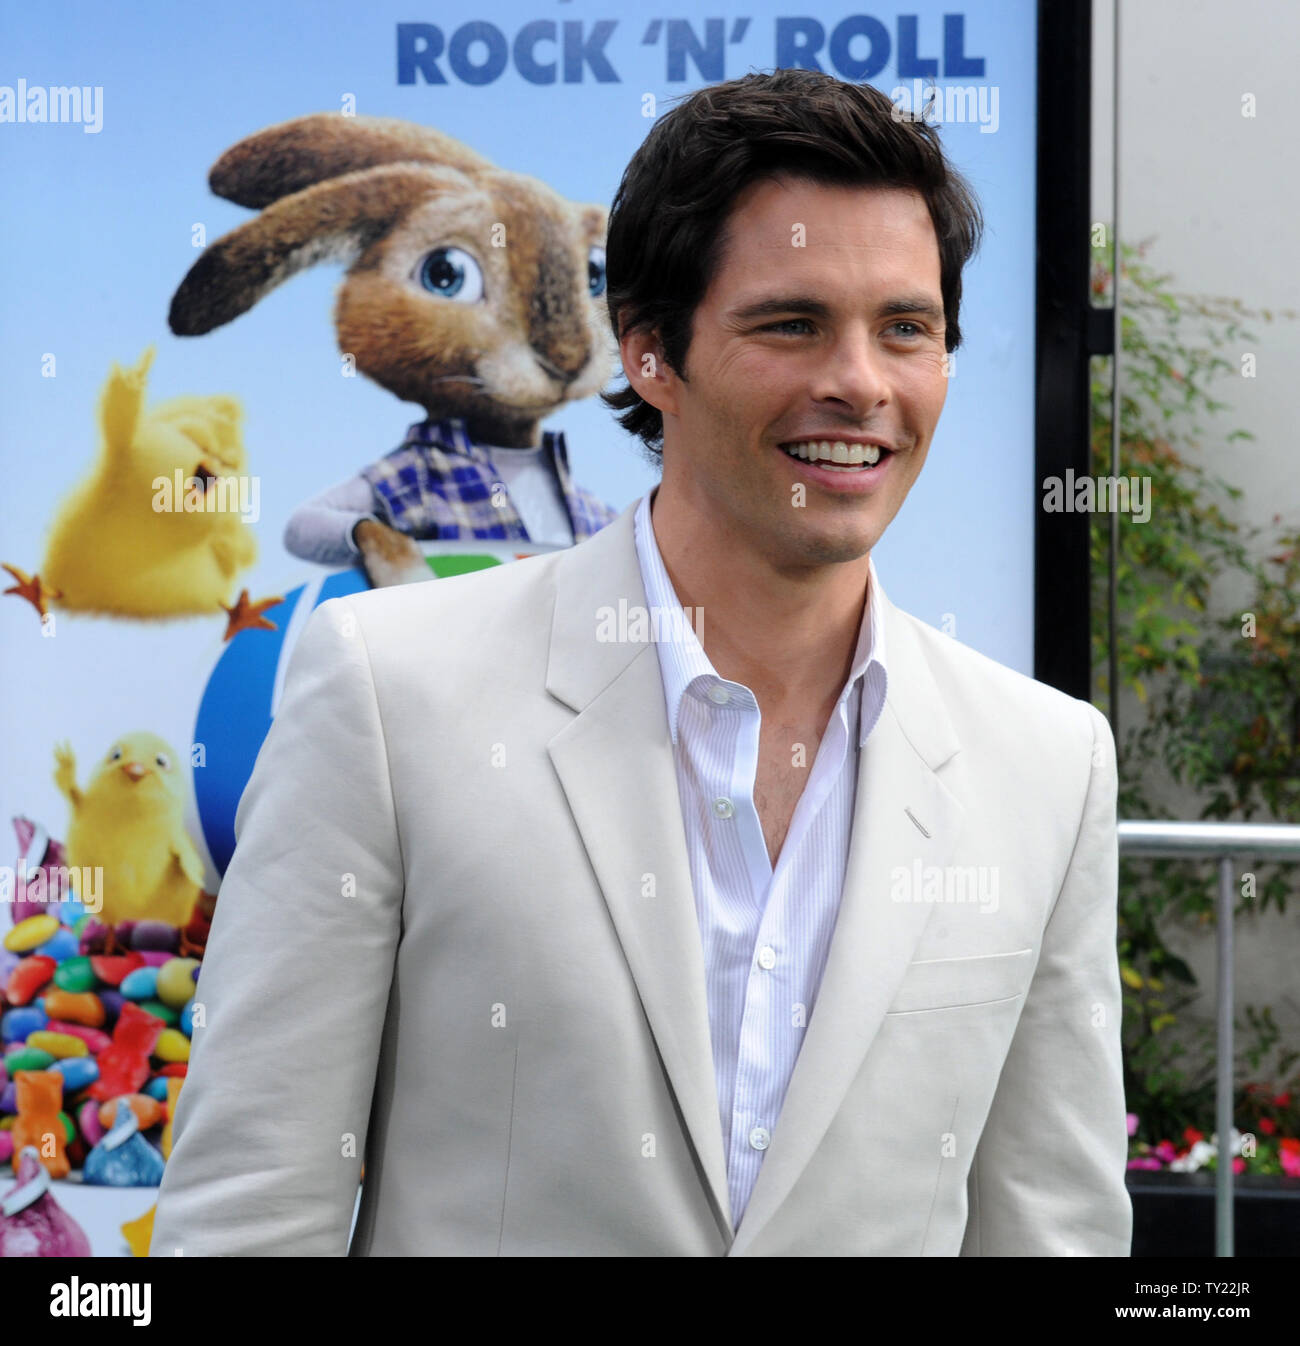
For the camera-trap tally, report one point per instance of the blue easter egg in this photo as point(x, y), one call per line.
point(238, 702)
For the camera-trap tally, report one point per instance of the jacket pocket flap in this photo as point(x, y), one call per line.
point(946, 983)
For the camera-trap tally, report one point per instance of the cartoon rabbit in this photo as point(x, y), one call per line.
point(470, 290)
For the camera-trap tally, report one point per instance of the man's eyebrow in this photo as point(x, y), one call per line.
point(921, 305)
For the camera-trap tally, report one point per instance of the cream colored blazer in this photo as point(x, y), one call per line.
point(457, 941)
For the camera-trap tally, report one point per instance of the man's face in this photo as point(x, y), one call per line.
point(824, 322)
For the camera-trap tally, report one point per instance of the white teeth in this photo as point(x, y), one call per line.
point(835, 451)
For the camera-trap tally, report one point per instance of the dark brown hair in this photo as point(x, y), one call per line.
point(668, 220)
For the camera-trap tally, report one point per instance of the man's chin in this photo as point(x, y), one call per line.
point(832, 544)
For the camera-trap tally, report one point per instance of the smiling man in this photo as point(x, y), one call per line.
point(790, 932)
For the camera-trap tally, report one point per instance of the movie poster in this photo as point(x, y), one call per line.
point(274, 332)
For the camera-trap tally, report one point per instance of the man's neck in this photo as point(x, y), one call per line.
point(790, 639)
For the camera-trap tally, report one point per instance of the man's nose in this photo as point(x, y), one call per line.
point(854, 373)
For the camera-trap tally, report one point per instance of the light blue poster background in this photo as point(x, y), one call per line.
point(99, 232)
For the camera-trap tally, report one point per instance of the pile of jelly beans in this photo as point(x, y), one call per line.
point(64, 1012)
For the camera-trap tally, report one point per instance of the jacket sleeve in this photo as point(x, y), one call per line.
point(271, 1122)
point(1047, 1178)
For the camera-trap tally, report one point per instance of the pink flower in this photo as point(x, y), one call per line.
point(1289, 1154)
point(1239, 1165)
point(1165, 1151)
point(1146, 1162)
point(1132, 1123)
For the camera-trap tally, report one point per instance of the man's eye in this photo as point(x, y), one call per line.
point(785, 322)
point(916, 330)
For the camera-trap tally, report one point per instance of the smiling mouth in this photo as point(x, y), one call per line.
point(836, 454)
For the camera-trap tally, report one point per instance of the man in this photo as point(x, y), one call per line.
point(592, 942)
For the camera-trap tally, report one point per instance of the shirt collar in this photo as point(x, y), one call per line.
point(451, 433)
point(682, 660)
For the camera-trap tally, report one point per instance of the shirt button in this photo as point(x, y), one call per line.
point(723, 807)
point(760, 1138)
point(767, 956)
point(719, 695)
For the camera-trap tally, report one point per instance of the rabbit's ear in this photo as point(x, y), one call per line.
point(284, 159)
point(595, 218)
point(333, 221)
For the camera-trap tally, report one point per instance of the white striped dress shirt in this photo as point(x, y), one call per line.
point(766, 932)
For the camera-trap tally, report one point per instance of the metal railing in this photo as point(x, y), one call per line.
point(1226, 842)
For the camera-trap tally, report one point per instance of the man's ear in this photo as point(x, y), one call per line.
point(646, 369)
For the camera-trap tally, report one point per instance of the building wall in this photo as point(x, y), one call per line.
point(1218, 195)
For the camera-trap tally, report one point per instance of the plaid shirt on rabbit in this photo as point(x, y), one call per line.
point(438, 483)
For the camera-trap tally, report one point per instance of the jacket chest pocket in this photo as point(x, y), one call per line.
point(951, 983)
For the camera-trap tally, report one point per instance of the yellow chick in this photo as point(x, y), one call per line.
point(157, 528)
point(127, 827)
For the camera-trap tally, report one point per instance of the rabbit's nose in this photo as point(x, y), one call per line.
point(565, 376)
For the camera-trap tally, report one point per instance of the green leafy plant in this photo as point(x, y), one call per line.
point(1219, 689)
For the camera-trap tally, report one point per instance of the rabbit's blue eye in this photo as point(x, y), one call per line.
point(596, 271)
point(453, 274)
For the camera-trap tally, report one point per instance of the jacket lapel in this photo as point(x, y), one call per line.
point(615, 765)
point(874, 935)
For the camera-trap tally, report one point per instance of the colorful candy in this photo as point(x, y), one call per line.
point(124, 1063)
point(58, 1045)
point(160, 1011)
point(75, 975)
point(28, 1058)
point(78, 1007)
point(140, 984)
point(31, 933)
point(172, 1045)
point(32, 1223)
point(112, 967)
point(40, 1120)
point(176, 981)
point(78, 1072)
point(62, 945)
point(123, 1158)
point(148, 1110)
point(16, 1024)
point(28, 977)
point(88, 1120)
point(99, 1037)
point(92, 1037)
point(173, 1093)
point(155, 935)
